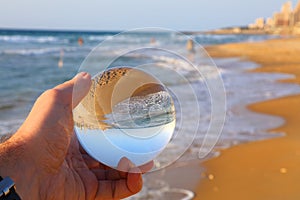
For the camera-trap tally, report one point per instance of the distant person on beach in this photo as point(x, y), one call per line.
point(80, 41)
point(60, 63)
point(153, 41)
point(190, 47)
point(46, 161)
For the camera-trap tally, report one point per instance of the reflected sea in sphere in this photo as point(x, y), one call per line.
point(127, 113)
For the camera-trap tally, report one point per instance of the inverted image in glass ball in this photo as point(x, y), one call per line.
point(127, 113)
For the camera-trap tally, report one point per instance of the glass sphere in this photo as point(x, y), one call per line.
point(127, 113)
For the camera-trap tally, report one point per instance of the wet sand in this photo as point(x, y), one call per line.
point(268, 169)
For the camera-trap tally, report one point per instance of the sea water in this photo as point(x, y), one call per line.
point(29, 66)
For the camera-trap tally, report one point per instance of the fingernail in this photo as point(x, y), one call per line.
point(134, 181)
point(135, 170)
point(83, 77)
point(82, 84)
point(81, 74)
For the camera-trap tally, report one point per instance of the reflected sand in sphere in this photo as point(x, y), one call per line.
point(127, 112)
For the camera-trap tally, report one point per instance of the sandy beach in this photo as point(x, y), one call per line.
point(267, 169)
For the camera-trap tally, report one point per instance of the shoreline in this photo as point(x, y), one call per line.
point(185, 174)
point(266, 169)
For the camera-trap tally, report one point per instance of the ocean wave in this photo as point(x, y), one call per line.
point(99, 37)
point(148, 111)
point(8, 127)
point(177, 63)
point(37, 51)
point(122, 39)
point(229, 38)
point(7, 106)
point(181, 66)
point(194, 72)
point(27, 39)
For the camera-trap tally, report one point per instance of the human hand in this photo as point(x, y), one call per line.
point(45, 160)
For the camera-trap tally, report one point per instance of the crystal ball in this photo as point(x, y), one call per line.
point(127, 113)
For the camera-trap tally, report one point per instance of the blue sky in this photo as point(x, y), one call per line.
point(128, 14)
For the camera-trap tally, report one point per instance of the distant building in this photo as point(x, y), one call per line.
point(258, 24)
point(286, 18)
point(270, 22)
point(297, 14)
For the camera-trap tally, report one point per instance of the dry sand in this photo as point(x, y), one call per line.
point(268, 169)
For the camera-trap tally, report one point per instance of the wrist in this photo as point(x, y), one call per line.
point(14, 164)
point(7, 189)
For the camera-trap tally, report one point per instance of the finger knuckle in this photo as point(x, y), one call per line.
point(56, 96)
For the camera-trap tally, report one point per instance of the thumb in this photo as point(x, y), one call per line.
point(49, 126)
point(77, 88)
point(55, 105)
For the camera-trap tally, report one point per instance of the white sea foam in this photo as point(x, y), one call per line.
point(10, 126)
point(37, 51)
point(99, 38)
point(27, 39)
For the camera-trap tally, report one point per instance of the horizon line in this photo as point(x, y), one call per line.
point(78, 30)
point(55, 30)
